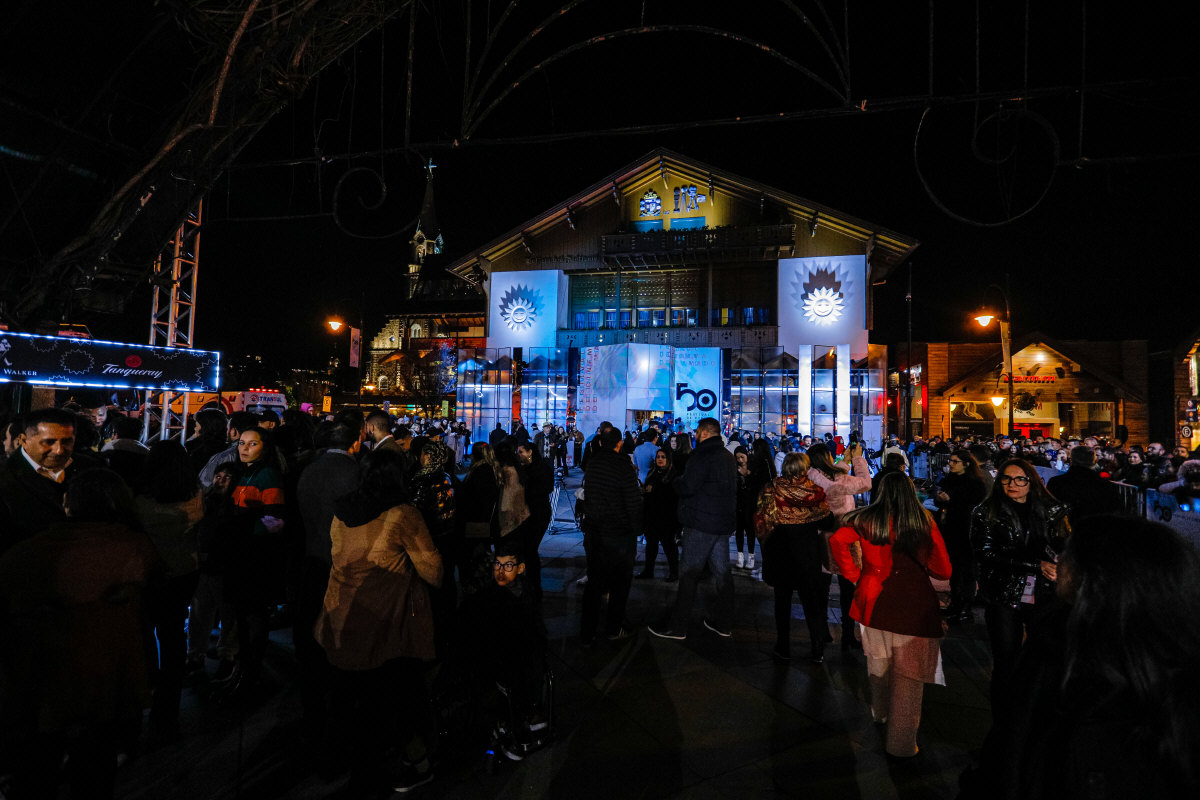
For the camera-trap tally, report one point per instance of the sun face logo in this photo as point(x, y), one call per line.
point(823, 306)
point(820, 297)
point(520, 307)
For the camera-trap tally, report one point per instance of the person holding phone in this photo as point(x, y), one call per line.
point(1016, 534)
point(840, 488)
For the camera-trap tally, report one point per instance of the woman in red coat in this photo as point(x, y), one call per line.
point(895, 603)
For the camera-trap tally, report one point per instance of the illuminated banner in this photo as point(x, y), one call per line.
point(648, 379)
point(70, 361)
point(697, 384)
point(523, 308)
point(601, 393)
point(823, 301)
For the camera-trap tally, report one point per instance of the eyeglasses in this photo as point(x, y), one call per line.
point(507, 566)
point(1017, 480)
point(956, 461)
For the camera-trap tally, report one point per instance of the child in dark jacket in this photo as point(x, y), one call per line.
point(507, 640)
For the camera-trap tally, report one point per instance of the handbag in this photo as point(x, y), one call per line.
point(480, 530)
point(416, 620)
point(828, 563)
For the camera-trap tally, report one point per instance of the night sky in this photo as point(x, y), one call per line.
point(1106, 253)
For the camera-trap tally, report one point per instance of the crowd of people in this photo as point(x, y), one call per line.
point(122, 558)
point(993, 534)
point(395, 545)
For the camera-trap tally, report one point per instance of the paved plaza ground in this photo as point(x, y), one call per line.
point(639, 718)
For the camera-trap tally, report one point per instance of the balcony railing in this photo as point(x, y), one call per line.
point(763, 242)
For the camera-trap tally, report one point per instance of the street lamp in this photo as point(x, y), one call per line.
point(984, 317)
point(336, 324)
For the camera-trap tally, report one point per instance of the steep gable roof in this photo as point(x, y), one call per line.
point(886, 248)
point(986, 364)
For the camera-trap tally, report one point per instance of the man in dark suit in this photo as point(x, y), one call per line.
point(708, 512)
point(593, 444)
point(378, 427)
point(612, 521)
point(34, 479)
point(520, 434)
point(497, 436)
point(1082, 489)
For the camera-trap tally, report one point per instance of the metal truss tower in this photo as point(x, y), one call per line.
point(172, 321)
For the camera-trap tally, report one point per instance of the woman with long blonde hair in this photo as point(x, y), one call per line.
point(895, 604)
point(792, 556)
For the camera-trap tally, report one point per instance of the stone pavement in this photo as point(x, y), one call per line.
point(643, 717)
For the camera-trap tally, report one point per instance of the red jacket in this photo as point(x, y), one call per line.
point(911, 604)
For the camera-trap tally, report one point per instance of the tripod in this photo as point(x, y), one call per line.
point(555, 527)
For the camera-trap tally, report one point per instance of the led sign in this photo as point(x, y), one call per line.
point(69, 361)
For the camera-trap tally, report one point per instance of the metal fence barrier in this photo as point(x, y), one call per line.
point(928, 468)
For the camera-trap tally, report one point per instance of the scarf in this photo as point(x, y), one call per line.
point(799, 501)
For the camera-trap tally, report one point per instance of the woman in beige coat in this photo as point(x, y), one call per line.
point(377, 626)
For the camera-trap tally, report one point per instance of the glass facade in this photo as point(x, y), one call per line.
point(485, 384)
point(760, 389)
point(672, 298)
point(548, 378)
point(763, 392)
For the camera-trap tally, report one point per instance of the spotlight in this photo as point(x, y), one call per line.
point(812, 224)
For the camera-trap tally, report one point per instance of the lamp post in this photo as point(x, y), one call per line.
point(984, 317)
point(336, 324)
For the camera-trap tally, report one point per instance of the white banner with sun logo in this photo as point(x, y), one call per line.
point(822, 301)
point(523, 308)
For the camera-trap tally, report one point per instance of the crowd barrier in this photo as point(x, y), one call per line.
point(1148, 503)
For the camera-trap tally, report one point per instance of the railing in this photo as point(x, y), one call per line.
point(686, 241)
point(1136, 500)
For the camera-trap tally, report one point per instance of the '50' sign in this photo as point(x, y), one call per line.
point(704, 400)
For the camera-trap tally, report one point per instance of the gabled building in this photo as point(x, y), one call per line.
point(675, 289)
point(1060, 388)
